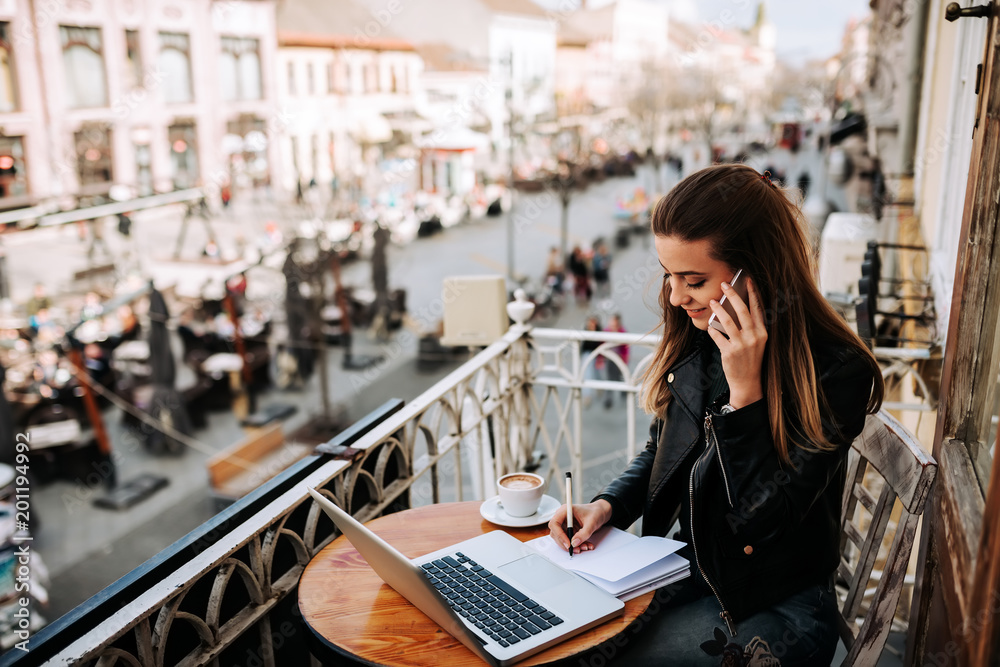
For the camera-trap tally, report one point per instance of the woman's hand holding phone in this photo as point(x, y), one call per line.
point(743, 349)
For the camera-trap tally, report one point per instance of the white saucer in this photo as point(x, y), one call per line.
point(493, 512)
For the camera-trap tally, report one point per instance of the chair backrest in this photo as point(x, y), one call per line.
point(904, 472)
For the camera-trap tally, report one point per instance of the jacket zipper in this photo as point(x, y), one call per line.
point(724, 614)
point(714, 441)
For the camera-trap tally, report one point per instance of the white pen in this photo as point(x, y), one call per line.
point(569, 511)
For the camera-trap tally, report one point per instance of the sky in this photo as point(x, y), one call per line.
point(806, 29)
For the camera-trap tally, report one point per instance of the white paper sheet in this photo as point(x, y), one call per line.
point(620, 562)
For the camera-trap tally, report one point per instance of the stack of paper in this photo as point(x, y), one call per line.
point(621, 563)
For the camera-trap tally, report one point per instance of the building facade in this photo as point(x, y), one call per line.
point(604, 52)
point(346, 98)
point(512, 41)
point(155, 95)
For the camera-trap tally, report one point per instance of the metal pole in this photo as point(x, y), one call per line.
point(510, 163)
point(4, 278)
point(564, 197)
point(93, 413)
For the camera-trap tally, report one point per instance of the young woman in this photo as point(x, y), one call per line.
point(750, 431)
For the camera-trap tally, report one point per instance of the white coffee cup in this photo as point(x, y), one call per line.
point(520, 493)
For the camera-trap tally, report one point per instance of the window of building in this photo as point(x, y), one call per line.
point(83, 64)
point(294, 143)
point(342, 76)
point(371, 78)
point(357, 74)
point(250, 163)
point(333, 157)
point(175, 65)
point(291, 78)
point(315, 157)
point(143, 169)
point(183, 138)
point(133, 60)
point(8, 93)
point(93, 158)
point(13, 177)
point(395, 80)
point(239, 69)
point(310, 80)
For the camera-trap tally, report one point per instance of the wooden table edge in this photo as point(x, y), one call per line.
point(462, 521)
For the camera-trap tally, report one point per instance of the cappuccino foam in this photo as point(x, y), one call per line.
point(515, 482)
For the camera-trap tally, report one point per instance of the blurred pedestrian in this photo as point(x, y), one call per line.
point(581, 274)
point(97, 239)
point(592, 370)
point(124, 224)
point(805, 180)
point(602, 270)
point(614, 373)
point(555, 272)
point(39, 300)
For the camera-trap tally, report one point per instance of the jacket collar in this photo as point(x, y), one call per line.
point(692, 377)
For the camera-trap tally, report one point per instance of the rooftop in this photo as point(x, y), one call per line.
point(345, 24)
point(440, 57)
point(584, 26)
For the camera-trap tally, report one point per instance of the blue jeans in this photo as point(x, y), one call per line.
point(591, 372)
point(800, 630)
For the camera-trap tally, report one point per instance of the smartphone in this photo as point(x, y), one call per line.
point(741, 288)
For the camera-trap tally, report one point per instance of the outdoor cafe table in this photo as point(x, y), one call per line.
point(354, 615)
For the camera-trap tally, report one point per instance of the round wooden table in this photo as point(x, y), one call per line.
point(354, 614)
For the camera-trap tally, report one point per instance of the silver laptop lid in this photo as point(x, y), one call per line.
point(405, 578)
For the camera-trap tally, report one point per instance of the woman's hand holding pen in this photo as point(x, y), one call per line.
point(586, 520)
point(743, 351)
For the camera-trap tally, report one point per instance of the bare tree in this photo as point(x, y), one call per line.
point(649, 107)
point(698, 102)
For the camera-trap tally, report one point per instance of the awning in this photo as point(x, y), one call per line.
point(30, 213)
point(371, 128)
point(92, 212)
point(454, 138)
point(411, 122)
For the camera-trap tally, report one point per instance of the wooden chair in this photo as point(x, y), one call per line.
point(904, 471)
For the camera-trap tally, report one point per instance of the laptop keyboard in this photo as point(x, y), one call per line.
point(499, 610)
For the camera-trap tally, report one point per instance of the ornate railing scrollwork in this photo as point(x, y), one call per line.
point(451, 442)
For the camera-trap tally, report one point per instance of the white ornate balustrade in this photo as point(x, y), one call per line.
point(516, 403)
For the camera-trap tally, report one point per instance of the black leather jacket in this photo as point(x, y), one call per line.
point(761, 530)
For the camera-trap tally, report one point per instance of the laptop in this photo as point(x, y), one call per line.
point(497, 596)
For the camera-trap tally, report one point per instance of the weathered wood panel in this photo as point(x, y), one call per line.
point(896, 454)
point(968, 377)
point(985, 598)
point(909, 473)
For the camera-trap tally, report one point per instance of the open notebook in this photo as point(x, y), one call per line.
point(621, 563)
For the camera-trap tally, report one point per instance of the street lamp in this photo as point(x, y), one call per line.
point(508, 103)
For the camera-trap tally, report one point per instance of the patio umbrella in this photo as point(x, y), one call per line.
point(166, 405)
point(296, 317)
point(161, 358)
point(380, 270)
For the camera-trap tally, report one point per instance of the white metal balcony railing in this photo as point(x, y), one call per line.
point(520, 396)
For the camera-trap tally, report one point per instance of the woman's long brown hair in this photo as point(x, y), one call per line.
point(752, 225)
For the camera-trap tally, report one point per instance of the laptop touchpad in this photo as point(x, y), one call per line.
point(535, 572)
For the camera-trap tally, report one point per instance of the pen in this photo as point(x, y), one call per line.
point(569, 511)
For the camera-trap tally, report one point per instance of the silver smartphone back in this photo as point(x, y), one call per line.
point(741, 288)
